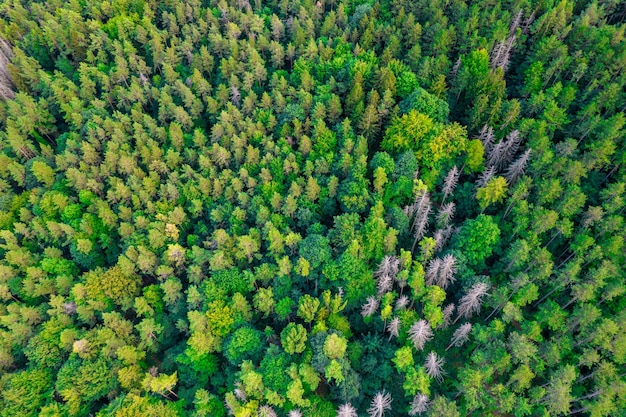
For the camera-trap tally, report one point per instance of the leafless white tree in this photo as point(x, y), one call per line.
point(370, 306)
point(460, 336)
point(266, 411)
point(486, 176)
point(516, 21)
point(384, 284)
point(486, 137)
point(380, 403)
point(235, 96)
point(450, 182)
point(448, 310)
point(432, 271)
point(419, 212)
point(512, 143)
point(393, 327)
point(441, 237)
point(420, 333)
point(434, 366)
point(502, 52)
point(389, 265)
point(446, 214)
point(495, 157)
point(528, 22)
point(7, 88)
point(346, 410)
point(447, 268)
point(419, 405)
point(295, 413)
point(516, 169)
point(239, 392)
point(471, 302)
point(402, 302)
point(455, 68)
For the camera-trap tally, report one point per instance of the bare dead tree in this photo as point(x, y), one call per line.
point(446, 214)
point(389, 265)
point(420, 333)
point(516, 169)
point(384, 284)
point(434, 366)
point(486, 138)
point(422, 212)
point(528, 22)
point(7, 88)
point(239, 392)
point(346, 410)
point(402, 302)
point(448, 310)
point(455, 68)
point(394, 327)
point(295, 413)
point(495, 156)
point(486, 176)
point(516, 21)
point(380, 403)
point(446, 271)
point(266, 411)
point(450, 182)
point(471, 302)
point(441, 237)
point(512, 143)
point(460, 336)
point(370, 306)
point(235, 96)
point(432, 271)
point(419, 404)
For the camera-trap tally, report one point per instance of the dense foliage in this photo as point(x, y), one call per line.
point(299, 208)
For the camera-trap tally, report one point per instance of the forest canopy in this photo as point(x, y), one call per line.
point(297, 208)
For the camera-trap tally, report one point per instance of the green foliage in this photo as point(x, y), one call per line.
point(293, 338)
point(262, 208)
point(493, 192)
point(243, 343)
point(477, 239)
point(23, 393)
